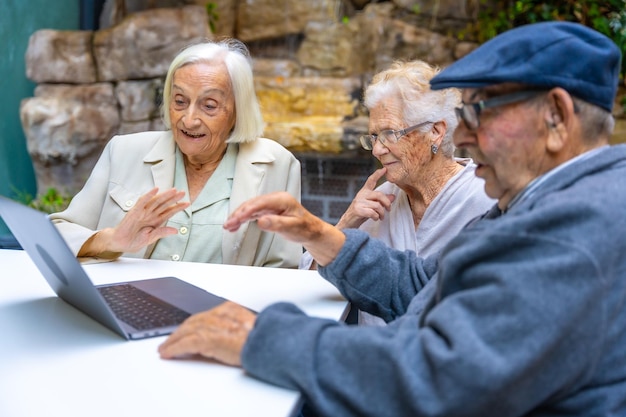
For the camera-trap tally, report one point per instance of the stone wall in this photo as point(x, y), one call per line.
point(311, 62)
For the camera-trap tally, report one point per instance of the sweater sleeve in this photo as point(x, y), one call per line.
point(502, 340)
point(376, 278)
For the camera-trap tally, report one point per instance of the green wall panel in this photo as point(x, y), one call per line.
point(18, 20)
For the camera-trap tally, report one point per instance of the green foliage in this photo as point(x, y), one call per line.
point(51, 201)
point(211, 10)
point(607, 17)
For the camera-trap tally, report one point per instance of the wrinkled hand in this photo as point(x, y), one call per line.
point(367, 204)
point(281, 213)
point(219, 333)
point(277, 212)
point(141, 226)
point(144, 223)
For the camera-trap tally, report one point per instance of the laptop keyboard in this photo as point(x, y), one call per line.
point(140, 309)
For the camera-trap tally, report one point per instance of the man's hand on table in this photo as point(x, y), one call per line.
point(219, 333)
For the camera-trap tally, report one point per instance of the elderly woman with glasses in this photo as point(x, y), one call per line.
point(428, 195)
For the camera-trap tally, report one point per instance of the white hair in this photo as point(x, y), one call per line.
point(411, 82)
point(234, 54)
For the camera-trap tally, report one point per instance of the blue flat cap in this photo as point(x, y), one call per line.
point(549, 54)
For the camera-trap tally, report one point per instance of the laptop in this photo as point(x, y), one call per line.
point(134, 310)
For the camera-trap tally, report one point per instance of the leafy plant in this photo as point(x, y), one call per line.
point(211, 10)
point(495, 17)
point(51, 201)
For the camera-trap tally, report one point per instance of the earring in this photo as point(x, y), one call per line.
point(434, 149)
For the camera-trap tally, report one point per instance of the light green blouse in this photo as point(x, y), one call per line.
point(199, 237)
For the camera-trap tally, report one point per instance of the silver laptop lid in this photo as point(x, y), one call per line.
point(56, 262)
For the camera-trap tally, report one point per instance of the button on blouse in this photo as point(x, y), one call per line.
point(199, 237)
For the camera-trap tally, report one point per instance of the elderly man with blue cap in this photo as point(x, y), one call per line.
point(529, 317)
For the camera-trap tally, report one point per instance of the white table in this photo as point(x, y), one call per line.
point(56, 361)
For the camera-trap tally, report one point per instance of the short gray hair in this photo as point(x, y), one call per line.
point(234, 54)
point(596, 122)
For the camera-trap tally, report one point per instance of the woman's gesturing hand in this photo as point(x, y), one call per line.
point(143, 225)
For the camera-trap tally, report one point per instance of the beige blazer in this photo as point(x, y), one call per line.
point(131, 165)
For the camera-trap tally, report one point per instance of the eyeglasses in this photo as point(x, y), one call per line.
point(470, 113)
point(392, 136)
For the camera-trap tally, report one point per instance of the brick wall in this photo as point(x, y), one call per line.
point(330, 182)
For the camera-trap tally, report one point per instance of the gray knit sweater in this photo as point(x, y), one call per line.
point(529, 316)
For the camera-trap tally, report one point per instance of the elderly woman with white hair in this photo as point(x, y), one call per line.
point(165, 195)
point(429, 194)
